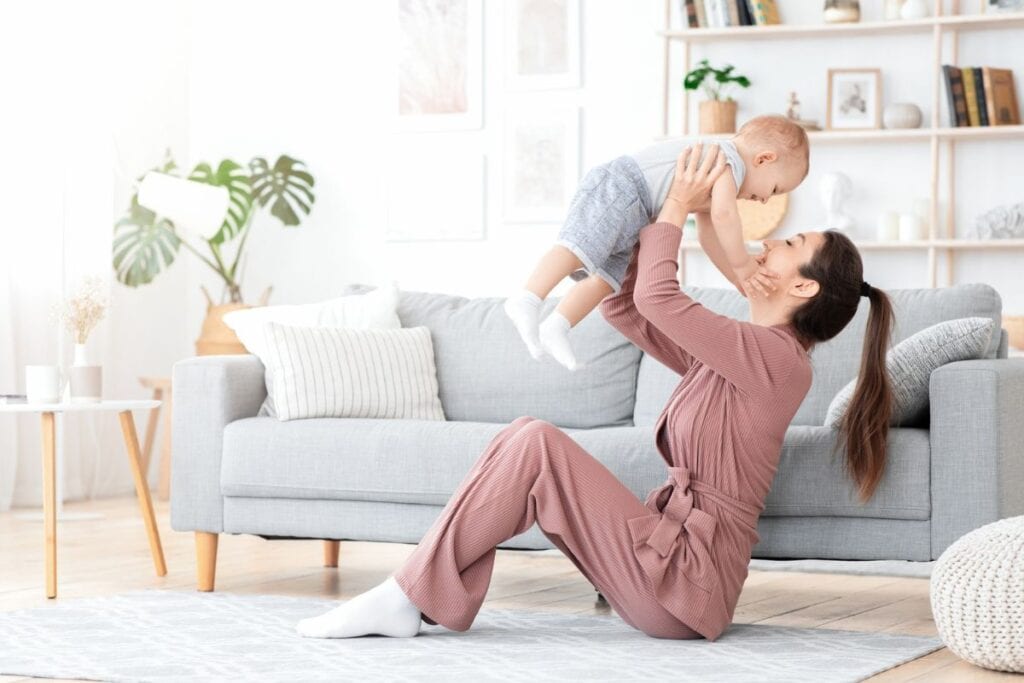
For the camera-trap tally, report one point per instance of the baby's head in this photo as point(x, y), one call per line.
point(777, 154)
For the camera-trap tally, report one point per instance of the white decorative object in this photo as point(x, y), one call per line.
point(440, 64)
point(888, 226)
point(914, 9)
point(901, 115)
point(195, 207)
point(1002, 222)
point(892, 9)
point(911, 227)
point(542, 44)
point(835, 189)
point(977, 595)
point(542, 163)
point(341, 372)
point(43, 383)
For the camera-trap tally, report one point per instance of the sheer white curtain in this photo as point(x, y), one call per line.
point(86, 93)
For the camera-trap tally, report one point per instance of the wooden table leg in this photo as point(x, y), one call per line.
point(131, 443)
point(151, 423)
point(50, 502)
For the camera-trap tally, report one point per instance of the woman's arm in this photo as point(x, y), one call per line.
point(747, 355)
point(619, 310)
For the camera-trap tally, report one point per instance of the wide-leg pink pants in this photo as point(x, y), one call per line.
point(534, 472)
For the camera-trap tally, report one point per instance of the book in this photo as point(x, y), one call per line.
point(979, 89)
point(746, 18)
point(702, 20)
point(971, 95)
point(765, 12)
point(1001, 97)
point(690, 11)
point(955, 93)
point(734, 12)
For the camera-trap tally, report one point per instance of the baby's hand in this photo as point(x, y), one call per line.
point(756, 278)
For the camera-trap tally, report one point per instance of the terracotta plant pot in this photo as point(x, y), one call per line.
point(216, 338)
point(717, 116)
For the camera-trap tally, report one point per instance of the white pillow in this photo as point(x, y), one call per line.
point(343, 372)
point(911, 362)
point(374, 309)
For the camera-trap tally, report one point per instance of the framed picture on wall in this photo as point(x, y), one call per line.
point(440, 64)
point(542, 163)
point(854, 99)
point(542, 44)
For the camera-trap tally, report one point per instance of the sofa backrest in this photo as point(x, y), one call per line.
point(836, 361)
point(486, 374)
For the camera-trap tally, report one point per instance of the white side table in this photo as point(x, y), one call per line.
point(131, 442)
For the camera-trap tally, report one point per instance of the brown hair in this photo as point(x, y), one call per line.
point(836, 267)
point(786, 138)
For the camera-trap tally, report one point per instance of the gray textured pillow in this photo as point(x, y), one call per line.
point(911, 362)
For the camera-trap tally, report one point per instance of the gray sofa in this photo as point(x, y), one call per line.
point(237, 472)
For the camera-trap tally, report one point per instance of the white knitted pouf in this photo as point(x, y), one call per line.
point(977, 595)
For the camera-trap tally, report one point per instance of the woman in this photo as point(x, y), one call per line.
point(674, 566)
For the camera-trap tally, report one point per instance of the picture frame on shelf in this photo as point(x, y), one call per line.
point(854, 99)
point(542, 44)
point(438, 37)
point(541, 165)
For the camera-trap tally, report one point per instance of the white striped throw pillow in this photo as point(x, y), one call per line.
point(348, 372)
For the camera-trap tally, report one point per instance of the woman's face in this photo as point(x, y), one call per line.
point(785, 256)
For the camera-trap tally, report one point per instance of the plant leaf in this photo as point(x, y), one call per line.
point(284, 183)
point(143, 245)
point(235, 178)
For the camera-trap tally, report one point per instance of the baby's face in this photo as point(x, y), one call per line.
point(769, 175)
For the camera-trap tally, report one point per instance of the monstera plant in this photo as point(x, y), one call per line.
point(146, 243)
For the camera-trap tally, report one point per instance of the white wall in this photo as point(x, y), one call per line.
point(314, 79)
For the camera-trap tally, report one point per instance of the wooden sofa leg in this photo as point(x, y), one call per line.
point(331, 553)
point(206, 559)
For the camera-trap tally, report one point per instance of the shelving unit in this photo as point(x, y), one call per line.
point(938, 136)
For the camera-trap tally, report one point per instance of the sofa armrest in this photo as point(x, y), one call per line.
point(977, 446)
point(209, 392)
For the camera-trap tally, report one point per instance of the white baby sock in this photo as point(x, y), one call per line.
point(383, 610)
point(554, 338)
point(523, 308)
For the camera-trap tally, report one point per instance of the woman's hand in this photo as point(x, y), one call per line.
point(691, 187)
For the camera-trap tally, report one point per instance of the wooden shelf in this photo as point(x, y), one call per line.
point(900, 135)
point(926, 25)
point(965, 244)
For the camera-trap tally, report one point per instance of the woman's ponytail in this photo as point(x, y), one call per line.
point(864, 428)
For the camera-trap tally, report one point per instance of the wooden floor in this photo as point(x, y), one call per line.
point(110, 555)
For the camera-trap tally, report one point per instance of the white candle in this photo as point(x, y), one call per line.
point(910, 227)
point(888, 226)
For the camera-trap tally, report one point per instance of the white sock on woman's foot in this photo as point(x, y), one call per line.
point(523, 308)
point(383, 610)
point(554, 338)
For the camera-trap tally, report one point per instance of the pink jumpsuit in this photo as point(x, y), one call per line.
point(674, 565)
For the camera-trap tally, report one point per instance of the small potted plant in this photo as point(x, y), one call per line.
point(80, 314)
point(718, 112)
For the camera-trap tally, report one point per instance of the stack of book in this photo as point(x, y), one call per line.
point(721, 13)
point(981, 96)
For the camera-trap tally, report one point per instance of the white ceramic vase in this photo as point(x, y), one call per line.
point(85, 380)
point(914, 9)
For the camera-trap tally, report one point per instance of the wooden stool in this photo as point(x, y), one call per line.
point(161, 387)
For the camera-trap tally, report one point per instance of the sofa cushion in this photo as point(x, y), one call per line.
point(396, 461)
point(421, 461)
point(486, 374)
point(835, 362)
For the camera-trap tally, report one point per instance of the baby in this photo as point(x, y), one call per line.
point(769, 155)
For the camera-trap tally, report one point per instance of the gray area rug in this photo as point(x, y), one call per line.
point(164, 635)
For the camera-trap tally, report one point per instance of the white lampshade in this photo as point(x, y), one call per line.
point(192, 206)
